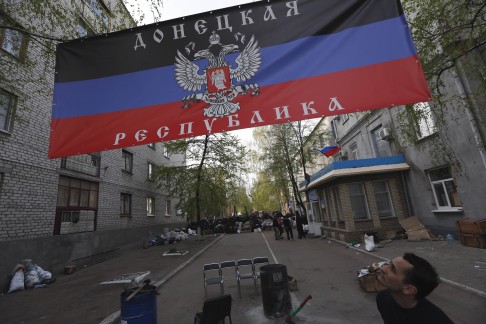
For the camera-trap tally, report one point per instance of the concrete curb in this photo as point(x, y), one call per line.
point(445, 280)
point(115, 317)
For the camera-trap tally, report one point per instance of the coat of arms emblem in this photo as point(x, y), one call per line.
point(218, 75)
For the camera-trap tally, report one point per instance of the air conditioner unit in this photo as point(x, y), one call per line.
point(385, 133)
point(344, 156)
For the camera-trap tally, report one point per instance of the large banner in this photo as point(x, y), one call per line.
point(246, 66)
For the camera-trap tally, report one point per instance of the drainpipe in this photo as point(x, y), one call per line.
point(472, 122)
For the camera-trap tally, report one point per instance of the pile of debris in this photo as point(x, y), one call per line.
point(27, 274)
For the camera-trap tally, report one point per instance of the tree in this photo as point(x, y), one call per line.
point(266, 193)
point(450, 37)
point(285, 154)
point(209, 182)
point(445, 31)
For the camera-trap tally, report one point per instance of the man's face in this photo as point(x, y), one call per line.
point(392, 275)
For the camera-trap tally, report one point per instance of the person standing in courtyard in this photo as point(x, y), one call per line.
point(288, 227)
point(409, 279)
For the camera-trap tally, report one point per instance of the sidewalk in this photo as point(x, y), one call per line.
point(79, 298)
point(325, 271)
point(461, 266)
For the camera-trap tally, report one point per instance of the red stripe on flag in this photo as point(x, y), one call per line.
point(372, 87)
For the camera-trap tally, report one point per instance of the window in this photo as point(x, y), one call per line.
point(353, 151)
point(166, 152)
point(150, 206)
point(125, 204)
point(151, 145)
point(7, 109)
point(167, 208)
point(100, 10)
point(382, 147)
point(334, 204)
point(422, 118)
point(127, 161)
point(383, 199)
point(150, 171)
point(12, 41)
point(77, 193)
point(357, 196)
point(444, 189)
point(82, 29)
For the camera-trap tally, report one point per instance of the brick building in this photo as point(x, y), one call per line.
point(75, 209)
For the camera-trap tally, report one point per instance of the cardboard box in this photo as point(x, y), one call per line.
point(370, 283)
point(473, 240)
point(415, 230)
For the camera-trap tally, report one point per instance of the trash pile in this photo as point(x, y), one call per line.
point(368, 277)
point(27, 275)
point(170, 237)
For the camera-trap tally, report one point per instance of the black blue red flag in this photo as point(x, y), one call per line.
point(246, 66)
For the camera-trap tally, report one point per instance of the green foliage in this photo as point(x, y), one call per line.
point(266, 193)
point(445, 31)
point(210, 182)
point(284, 151)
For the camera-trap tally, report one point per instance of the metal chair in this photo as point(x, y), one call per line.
point(211, 268)
point(245, 271)
point(215, 310)
point(259, 262)
point(228, 271)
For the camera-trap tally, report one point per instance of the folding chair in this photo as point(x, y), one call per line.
point(211, 268)
point(259, 262)
point(244, 271)
point(228, 271)
point(215, 310)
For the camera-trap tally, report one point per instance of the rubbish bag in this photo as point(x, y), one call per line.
point(17, 282)
point(369, 243)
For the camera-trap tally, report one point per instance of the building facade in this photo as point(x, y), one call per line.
point(443, 152)
point(62, 210)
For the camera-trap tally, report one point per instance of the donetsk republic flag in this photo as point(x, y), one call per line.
point(246, 66)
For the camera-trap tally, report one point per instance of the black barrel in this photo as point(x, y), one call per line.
point(275, 292)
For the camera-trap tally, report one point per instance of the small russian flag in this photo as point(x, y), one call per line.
point(330, 150)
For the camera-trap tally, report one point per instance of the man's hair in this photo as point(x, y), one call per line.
point(422, 275)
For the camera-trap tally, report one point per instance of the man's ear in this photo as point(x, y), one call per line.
point(409, 290)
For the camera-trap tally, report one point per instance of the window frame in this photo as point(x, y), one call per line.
point(78, 190)
point(165, 152)
point(168, 208)
point(442, 182)
point(365, 199)
point(422, 116)
point(22, 51)
point(126, 154)
point(353, 154)
point(10, 112)
point(150, 206)
point(123, 196)
point(151, 145)
point(389, 199)
point(150, 170)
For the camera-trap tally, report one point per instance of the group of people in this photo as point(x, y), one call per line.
point(285, 223)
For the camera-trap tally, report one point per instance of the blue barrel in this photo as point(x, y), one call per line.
point(275, 292)
point(141, 308)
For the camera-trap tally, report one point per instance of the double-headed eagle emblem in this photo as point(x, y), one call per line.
point(218, 75)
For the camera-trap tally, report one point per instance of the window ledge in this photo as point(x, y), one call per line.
point(449, 210)
point(167, 215)
point(150, 215)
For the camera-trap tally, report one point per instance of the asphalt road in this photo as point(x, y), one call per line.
point(325, 271)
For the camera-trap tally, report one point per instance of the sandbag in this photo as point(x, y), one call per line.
point(17, 282)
